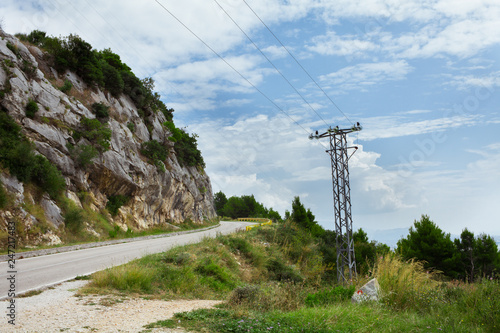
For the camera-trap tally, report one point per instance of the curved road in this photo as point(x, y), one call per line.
point(39, 272)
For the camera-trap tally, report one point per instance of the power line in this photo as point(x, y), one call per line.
point(227, 63)
point(298, 63)
point(272, 64)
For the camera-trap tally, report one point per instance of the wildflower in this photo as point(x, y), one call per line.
point(360, 292)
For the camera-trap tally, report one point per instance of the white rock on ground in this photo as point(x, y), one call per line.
point(369, 292)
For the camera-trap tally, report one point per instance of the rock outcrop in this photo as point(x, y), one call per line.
point(155, 196)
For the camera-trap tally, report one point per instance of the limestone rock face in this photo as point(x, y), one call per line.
point(156, 197)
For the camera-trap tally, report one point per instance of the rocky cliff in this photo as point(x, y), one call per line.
point(156, 194)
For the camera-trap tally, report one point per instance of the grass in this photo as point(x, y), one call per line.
point(30, 293)
point(211, 269)
point(242, 268)
point(341, 317)
point(405, 283)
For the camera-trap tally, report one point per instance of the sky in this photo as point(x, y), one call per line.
point(253, 78)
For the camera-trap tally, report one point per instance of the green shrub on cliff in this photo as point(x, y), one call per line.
point(185, 146)
point(17, 155)
point(115, 202)
point(97, 133)
point(31, 109)
point(155, 152)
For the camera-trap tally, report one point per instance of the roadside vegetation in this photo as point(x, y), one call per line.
point(280, 278)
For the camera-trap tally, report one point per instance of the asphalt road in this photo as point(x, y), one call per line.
point(39, 272)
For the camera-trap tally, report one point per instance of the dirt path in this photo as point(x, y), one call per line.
point(58, 310)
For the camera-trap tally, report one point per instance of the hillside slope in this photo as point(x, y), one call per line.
point(101, 161)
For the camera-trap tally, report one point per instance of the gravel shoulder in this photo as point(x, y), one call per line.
point(58, 310)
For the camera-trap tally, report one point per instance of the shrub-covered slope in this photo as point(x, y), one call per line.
point(86, 145)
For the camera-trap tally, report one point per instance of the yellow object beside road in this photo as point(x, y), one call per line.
point(256, 219)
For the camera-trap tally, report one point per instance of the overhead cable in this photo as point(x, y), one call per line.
point(298, 63)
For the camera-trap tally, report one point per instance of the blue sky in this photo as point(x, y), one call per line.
point(422, 77)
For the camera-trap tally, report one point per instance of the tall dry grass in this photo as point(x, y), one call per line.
point(403, 283)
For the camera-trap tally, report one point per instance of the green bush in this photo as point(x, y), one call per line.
point(330, 296)
point(96, 132)
point(216, 276)
point(115, 202)
point(66, 86)
point(14, 49)
point(182, 258)
point(100, 110)
point(185, 146)
point(113, 233)
point(17, 154)
point(36, 37)
point(29, 69)
point(131, 127)
point(31, 109)
point(3, 196)
point(278, 271)
point(112, 79)
point(238, 244)
point(48, 177)
point(20, 161)
point(83, 154)
point(130, 277)
point(155, 152)
point(74, 219)
point(247, 294)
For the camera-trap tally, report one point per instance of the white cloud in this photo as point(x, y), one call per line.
point(274, 52)
point(201, 81)
point(367, 74)
point(414, 112)
point(431, 28)
point(489, 166)
point(462, 39)
point(377, 10)
point(377, 189)
point(395, 126)
point(465, 82)
point(332, 44)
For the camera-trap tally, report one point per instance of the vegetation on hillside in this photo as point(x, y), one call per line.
point(92, 137)
point(467, 258)
point(244, 206)
point(274, 278)
point(104, 69)
point(17, 154)
point(185, 146)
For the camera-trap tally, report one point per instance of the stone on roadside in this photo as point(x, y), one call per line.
point(368, 292)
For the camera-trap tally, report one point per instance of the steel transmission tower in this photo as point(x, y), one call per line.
point(346, 261)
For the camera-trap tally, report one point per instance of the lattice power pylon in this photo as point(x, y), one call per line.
point(346, 261)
